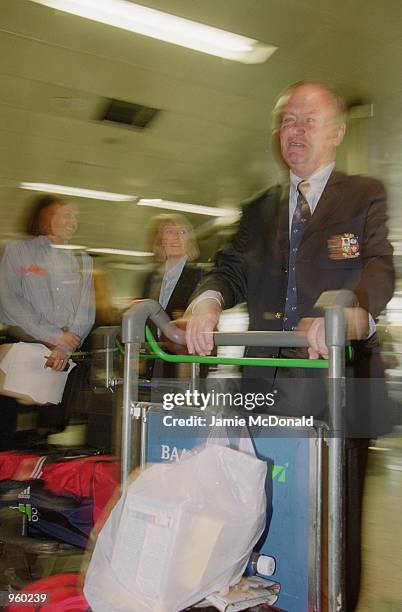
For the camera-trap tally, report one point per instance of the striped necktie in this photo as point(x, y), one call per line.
point(301, 216)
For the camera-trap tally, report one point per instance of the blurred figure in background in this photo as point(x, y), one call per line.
point(106, 312)
point(46, 292)
point(172, 240)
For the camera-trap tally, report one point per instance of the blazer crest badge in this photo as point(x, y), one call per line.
point(343, 246)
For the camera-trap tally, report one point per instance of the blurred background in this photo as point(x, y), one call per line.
point(88, 106)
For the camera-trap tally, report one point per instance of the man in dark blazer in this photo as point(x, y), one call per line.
point(322, 231)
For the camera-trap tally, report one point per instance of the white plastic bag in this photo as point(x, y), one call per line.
point(23, 374)
point(181, 532)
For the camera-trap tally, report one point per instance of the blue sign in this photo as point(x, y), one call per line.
point(290, 492)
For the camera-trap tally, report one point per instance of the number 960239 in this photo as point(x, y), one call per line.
point(24, 599)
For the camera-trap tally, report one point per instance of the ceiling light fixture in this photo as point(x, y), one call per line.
point(196, 209)
point(69, 247)
point(106, 251)
point(78, 192)
point(167, 27)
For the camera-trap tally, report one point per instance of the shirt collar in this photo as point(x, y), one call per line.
point(318, 177)
point(44, 240)
point(176, 268)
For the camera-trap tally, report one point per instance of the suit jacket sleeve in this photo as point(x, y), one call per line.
point(376, 284)
point(229, 276)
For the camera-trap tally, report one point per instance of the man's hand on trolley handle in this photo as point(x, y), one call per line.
point(202, 320)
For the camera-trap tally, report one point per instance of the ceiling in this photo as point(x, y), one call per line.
point(210, 143)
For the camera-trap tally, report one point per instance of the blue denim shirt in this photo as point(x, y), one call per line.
point(45, 290)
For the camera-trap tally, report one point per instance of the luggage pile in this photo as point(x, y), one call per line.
point(49, 505)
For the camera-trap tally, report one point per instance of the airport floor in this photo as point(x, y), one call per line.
point(382, 530)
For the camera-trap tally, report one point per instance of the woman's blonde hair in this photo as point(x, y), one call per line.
point(155, 235)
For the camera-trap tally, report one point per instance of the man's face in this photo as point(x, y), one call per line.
point(310, 130)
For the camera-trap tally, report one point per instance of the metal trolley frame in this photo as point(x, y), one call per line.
point(134, 334)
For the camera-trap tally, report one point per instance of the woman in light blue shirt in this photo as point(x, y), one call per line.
point(46, 292)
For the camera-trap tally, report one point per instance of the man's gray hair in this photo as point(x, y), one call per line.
point(281, 101)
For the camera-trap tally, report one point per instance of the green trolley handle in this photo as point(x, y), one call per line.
point(239, 361)
point(159, 353)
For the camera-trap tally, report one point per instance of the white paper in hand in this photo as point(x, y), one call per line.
point(25, 373)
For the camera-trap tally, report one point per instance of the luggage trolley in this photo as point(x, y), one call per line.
point(134, 333)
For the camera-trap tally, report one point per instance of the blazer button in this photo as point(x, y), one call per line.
point(271, 316)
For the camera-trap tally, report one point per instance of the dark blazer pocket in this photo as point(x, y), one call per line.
point(346, 263)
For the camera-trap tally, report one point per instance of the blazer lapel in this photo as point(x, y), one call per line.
point(276, 223)
point(329, 202)
point(182, 281)
point(283, 224)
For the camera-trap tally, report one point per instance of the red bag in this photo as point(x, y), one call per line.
point(96, 477)
point(91, 477)
point(64, 595)
point(20, 466)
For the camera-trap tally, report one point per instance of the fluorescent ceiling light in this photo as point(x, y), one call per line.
point(69, 247)
point(121, 252)
point(166, 27)
point(120, 265)
point(106, 251)
point(78, 192)
point(197, 209)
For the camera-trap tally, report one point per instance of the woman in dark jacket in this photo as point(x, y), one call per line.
point(174, 278)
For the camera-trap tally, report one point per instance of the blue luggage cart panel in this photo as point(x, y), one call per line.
point(291, 529)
